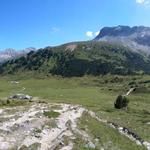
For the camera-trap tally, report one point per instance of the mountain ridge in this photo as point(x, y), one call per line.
point(136, 38)
point(79, 59)
point(11, 53)
point(116, 50)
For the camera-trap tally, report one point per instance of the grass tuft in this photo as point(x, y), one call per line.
point(51, 114)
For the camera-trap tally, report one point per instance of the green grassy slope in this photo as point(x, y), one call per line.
point(104, 137)
point(95, 93)
point(79, 59)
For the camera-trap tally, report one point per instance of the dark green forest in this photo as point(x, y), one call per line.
point(87, 58)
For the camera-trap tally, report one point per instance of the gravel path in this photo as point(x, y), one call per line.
point(27, 127)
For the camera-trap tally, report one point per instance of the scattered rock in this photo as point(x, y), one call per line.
point(1, 111)
point(20, 130)
point(21, 96)
point(124, 131)
point(71, 47)
point(14, 82)
point(147, 144)
point(90, 145)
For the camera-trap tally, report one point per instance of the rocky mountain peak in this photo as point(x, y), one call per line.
point(11, 53)
point(137, 37)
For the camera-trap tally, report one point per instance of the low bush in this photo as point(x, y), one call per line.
point(121, 102)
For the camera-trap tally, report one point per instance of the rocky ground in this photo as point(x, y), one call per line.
point(27, 127)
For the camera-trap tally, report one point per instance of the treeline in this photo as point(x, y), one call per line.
point(89, 58)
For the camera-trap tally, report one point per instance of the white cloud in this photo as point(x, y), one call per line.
point(97, 33)
point(140, 1)
point(89, 34)
point(145, 2)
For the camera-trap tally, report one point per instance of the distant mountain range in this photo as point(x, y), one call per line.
point(79, 59)
point(10, 53)
point(137, 38)
point(116, 50)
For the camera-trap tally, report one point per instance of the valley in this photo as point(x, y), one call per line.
point(74, 98)
point(74, 75)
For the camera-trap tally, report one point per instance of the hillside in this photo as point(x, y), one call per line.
point(80, 58)
point(77, 110)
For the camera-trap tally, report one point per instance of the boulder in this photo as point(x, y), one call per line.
point(90, 145)
point(21, 96)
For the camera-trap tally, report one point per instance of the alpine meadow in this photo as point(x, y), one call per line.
point(82, 83)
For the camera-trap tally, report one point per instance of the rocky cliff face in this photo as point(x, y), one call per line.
point(137, 38)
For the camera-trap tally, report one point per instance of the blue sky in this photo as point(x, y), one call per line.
point(41, 23)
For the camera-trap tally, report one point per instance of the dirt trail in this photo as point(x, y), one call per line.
point(30, 127)
point(26, 127)
point(130, 91)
